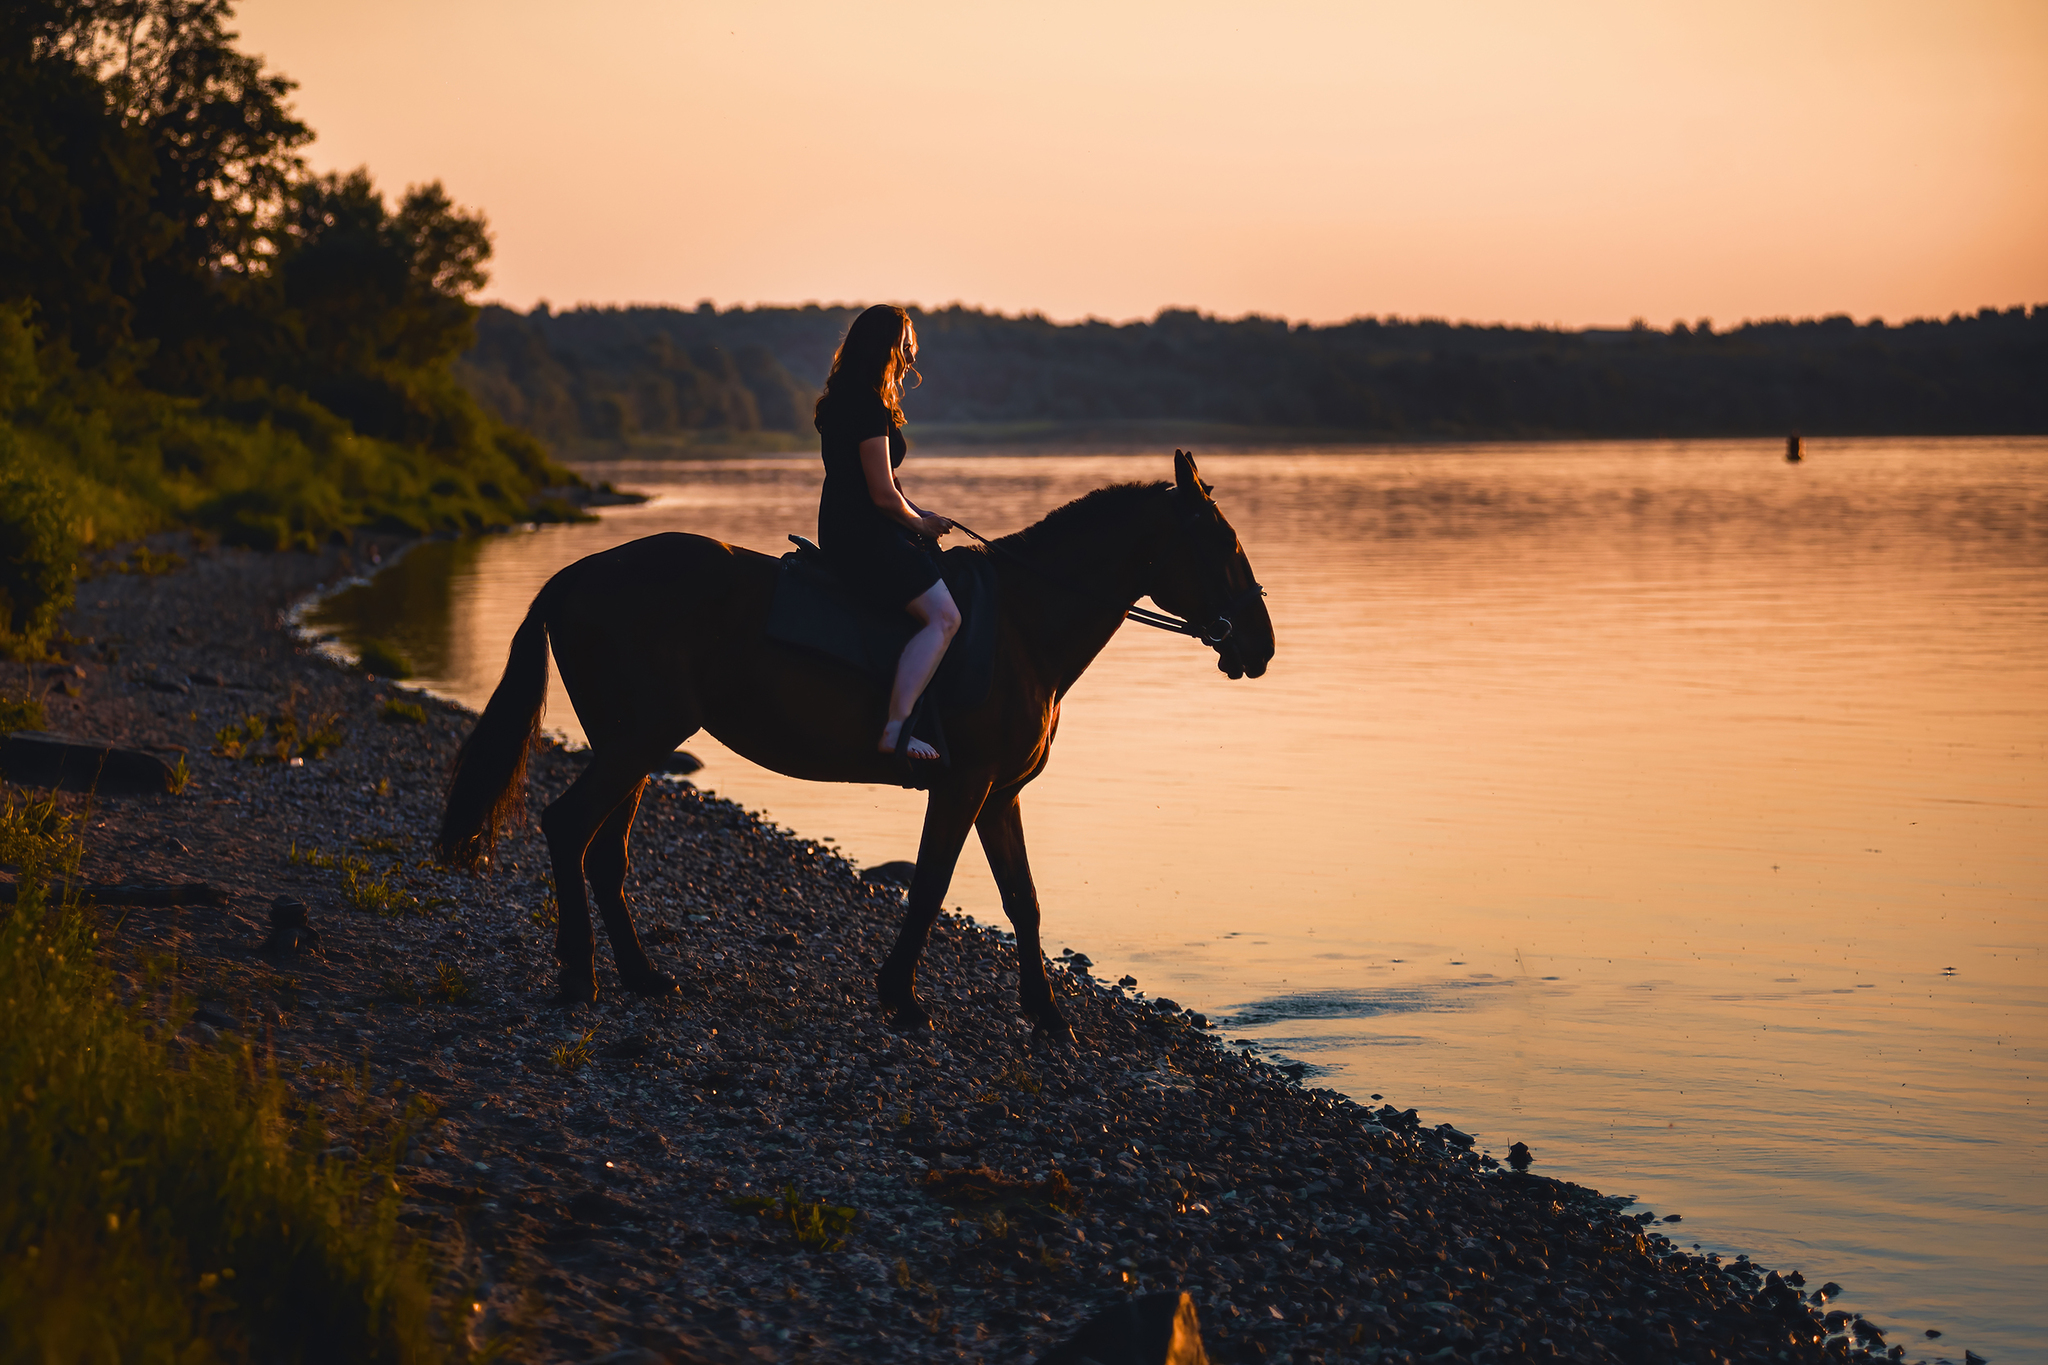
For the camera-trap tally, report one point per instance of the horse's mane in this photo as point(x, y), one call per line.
point(1102, 512)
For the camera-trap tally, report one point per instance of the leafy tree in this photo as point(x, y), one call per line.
point(219, 337)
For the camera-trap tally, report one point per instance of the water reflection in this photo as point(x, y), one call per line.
point(1672, 809)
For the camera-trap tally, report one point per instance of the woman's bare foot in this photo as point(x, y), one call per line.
point(917, 748)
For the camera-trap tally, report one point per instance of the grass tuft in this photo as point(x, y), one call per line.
point(573, 1053)
point(403, 712)
point(815, 1225)
point(166, 1201)
point(143, 560)
point(381, 896)
point(451, 986)
point(280, 737)
point(398, 988)
point(383, 659)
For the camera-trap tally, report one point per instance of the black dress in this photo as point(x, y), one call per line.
point(884, 559)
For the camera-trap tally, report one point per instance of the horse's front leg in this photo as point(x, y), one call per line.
point(948, 815)
point(1001, 827)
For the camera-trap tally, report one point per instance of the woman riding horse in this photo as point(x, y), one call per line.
point(663, 636)
point(875, 536)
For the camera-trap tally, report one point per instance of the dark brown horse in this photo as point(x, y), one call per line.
point(660, 637)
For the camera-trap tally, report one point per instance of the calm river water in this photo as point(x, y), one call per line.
point(1669, 808)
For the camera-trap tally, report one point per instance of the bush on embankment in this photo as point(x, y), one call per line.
point(197, 332)
point(169, 1202)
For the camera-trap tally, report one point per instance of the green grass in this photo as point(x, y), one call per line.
point(573, 1052)
point(20, 711)
point(281, 736)
point(815, 1226)
point(380, 895)
point(403, 712)
point(166, 1201)
point(384, 660)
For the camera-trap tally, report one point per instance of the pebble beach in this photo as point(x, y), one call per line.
point(758, 1168)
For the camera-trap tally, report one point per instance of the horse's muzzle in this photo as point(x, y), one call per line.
point(1233, 662)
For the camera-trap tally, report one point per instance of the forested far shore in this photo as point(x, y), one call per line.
point(595, 379)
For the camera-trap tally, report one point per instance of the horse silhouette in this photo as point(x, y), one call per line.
point(663, 636)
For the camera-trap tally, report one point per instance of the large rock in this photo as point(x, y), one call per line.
point(897, 873)
point(1154, 1329)
point(35, 758)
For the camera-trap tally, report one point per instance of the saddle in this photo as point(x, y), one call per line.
point(816, 610)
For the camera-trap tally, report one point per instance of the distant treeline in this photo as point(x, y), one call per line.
point(612, 375)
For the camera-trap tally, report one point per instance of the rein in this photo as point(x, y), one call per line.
point(1215, 634)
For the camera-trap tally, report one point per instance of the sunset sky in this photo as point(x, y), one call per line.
point(1577, 162)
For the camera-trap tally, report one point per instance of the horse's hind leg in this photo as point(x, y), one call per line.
point(604, 863)
point(1001, 827)
point(571, 823)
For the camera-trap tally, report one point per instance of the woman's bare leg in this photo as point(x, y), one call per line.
point(935, 608)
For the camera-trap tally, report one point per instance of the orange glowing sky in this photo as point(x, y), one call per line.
point(1579, 162)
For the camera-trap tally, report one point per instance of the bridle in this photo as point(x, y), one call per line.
point(1219, 629)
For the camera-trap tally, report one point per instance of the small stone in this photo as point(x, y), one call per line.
point(1519, 1157)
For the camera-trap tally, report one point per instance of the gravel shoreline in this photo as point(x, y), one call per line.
point(594, 1165)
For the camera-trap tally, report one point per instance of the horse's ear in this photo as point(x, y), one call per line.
point(1186, 477)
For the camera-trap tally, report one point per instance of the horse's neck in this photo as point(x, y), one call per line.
point(1091, 572)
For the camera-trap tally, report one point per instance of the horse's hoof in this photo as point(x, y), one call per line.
point(650, 983)
point(1052, 1032)
point(911, 1018)
point(578, 994)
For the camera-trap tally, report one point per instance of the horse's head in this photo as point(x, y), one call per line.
point(1201, 573)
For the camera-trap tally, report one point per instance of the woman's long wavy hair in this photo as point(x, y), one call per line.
point(879, 350)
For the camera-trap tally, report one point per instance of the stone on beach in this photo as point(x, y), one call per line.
point(36, 758)
point(898, 873)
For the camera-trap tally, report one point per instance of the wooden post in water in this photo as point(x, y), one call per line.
point(1795, 448)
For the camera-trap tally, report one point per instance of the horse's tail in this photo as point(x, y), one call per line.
point(489, 778)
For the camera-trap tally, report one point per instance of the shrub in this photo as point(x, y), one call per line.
point(23, 712)
point(38, 548)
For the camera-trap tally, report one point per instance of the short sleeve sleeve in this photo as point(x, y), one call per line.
point(856, 418)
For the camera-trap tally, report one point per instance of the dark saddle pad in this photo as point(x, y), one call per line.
point(815, 609)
